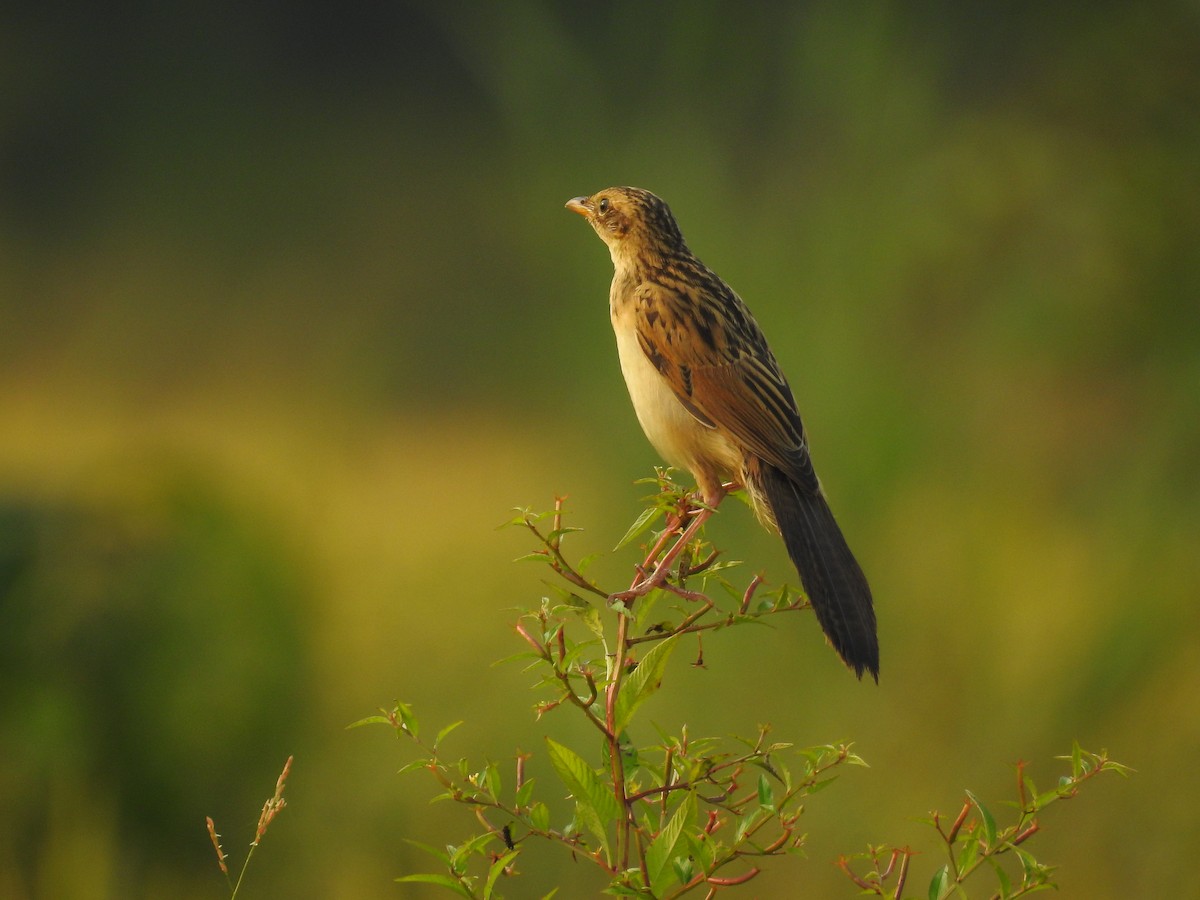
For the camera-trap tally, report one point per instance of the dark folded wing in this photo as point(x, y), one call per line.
point(714, 357)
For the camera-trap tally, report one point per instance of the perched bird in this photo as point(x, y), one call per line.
point(712, 399)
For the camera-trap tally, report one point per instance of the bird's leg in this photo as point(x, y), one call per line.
point(699, 515)
point(673, 526)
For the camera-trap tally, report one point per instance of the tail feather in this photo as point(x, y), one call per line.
point(831, 575)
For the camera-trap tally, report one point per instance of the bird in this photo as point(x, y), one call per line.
point(712, 399)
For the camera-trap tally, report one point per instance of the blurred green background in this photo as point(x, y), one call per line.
point(291, 317)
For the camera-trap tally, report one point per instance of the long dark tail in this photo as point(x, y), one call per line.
point(831, 575)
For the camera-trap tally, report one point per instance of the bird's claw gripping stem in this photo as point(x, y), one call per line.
point(644, 584)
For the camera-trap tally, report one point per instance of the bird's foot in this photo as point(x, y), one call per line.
point(644, 583)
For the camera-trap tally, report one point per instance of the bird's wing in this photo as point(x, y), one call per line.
point(716, 360)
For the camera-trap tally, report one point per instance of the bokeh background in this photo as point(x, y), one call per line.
point(291, 317)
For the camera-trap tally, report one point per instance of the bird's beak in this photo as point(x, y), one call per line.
point(580, 205)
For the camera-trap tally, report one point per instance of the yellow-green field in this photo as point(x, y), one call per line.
point(291, 317)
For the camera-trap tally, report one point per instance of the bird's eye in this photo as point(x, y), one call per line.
point(602, 206)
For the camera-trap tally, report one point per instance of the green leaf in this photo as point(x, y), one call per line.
point(820, 784)
point(491, 780)
point(539, 816)
point(968, 854)
point(587, 817)
point(432, 851)
point(643, 681)
point(445, 731)
point(665, 846)
point(407, 719)
point(415, 764)
point(594, 799)
point(989, 823)
point(1032, 871)
point(557, 533)
point(1121, 769)
point(369, 720)
point(703, 850)
point(496, 871)
point(524, 792)
point(574, 602)
point(524, 654)
point(643, 521)
point(591, 618)
point(620, 889)
point(459, 856)
point(766, 794)
point(1002, 877)
point(443, 880)
point(1031, 791)
point(746, 823)
point(684, 869)
point(939, 883)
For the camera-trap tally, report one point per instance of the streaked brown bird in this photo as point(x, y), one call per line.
point(712, 399)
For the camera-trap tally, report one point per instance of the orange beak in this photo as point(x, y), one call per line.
point(580, 205)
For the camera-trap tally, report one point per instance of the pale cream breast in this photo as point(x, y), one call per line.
point(678, 436)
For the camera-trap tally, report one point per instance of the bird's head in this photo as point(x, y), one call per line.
point(631, 221)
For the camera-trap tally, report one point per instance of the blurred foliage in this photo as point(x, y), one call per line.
point(681, 813)
point(290, 314)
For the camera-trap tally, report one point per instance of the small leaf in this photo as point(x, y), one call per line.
point(432, 851)
point(1002, 877)
point(496, 870)
point(643, 681)
point(369, 720)
point(408, 719)
point(491, 780)
point(939, 883)
point(557, 533)
point(591, 618)
point(703, 850)
point(524, 792)
point(415, 764)
point(539, 816)
point(665, 846)
point(968, 854)
point(459, 856)
point(524, 654)
point(746, 823)
point(574, 602)
point(445, 731)
point(621, 889)
point(989, 823)
point(586, 815)
point(1030, 788)
point(643, 521)
point(684, 869)
point(597, 806)
point(820, 784)
point(766, 794)
point(443, 880)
